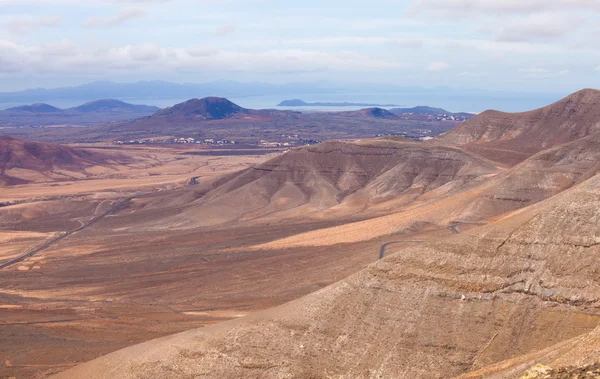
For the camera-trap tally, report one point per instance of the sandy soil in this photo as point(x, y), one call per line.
point(113, 285)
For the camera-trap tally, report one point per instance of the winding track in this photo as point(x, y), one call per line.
point(385, 245)
point(61, 236)
point(64, 235)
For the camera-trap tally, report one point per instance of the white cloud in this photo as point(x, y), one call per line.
point(537, 72)
point(58, 48)
point(438, 66)
point(123, 15)
point(147, 52)
point(22, 25)
point(284, 61)
point(199, 51)
point(63, 57)
point(337, 41)
point(540, 27)
point(224, 30)
point(597, 68)
point(472, 74)
point(142, 1)
point(78, 2)
point(503, 6)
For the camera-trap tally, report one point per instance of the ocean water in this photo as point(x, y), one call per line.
point(451, 101)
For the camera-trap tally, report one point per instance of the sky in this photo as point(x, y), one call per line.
point(517, 45)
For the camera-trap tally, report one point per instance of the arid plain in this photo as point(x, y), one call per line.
point(163, 262)
point(491, 263)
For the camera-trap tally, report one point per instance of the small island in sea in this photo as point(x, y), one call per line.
point(301, 103)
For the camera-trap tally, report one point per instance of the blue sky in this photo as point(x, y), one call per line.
point(524, 45)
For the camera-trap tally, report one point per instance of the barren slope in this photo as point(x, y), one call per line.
point(334, 179)
point(441, 309)
point(512, 137)
point(24, 162)
point(482, 199)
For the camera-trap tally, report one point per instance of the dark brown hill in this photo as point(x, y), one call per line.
point(370, 113)
point(195, 117)
point(23, 162)
point(209, 108)
point(539, 177)
point(512, 137)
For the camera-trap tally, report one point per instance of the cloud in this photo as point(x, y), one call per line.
point(284, 61)
point(438, 66)
point(405, 42)
point(540, 27)
point(198, 51)
point(147, 52)
point(472, 74)
point(597, 68)
point(29, 24)
point(78, 2)
point(537, 72)
point(224, 30)
point(337, 41)
point(142, 1)
point(502, 6)
point(58, 48)
point(62, 57)
point(123, 15)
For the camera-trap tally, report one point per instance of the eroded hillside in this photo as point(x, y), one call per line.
point(437, 310)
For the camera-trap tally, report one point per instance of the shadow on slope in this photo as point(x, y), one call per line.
point(440, 309)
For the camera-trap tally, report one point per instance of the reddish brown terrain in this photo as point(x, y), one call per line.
point(24, 162)
point(512, 137)
point(490, 261)
point(210, 108)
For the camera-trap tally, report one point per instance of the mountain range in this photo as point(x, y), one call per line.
point(92, 113)
point(219, 117)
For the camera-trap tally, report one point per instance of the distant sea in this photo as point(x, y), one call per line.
point(451, 101)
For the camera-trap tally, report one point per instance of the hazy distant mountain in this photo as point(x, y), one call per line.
point(163, 92)
point(113, 105)
point(36, 108)
point(92, 113)
point(301, 103)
